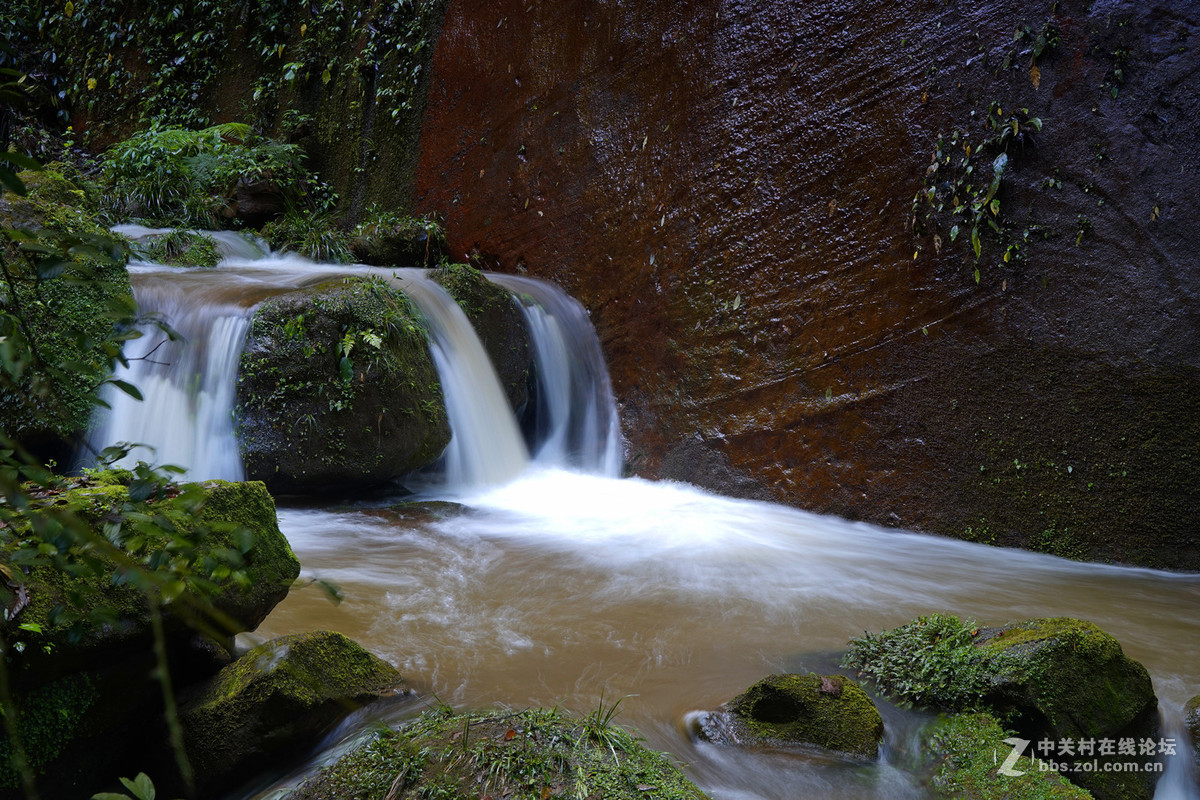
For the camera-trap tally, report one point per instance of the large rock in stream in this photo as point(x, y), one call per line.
point(337, 390)
point(829, 711)
point(1066, 679)
point(80, 631)
point(1063, 684)
point(275, 700)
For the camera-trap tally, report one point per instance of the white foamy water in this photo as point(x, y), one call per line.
point(561, 586)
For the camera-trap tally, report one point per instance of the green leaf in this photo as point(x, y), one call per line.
point(346, 369)
point(110, 796)
point(127, 388)
point(976, 245)
point(12, 182)
point(954, 233)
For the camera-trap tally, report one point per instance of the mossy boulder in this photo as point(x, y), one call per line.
point(86, 601)
point(967, 749)
point(276, 699)
point(829, 711)
point(1066, 678)
point(1048, 679)
point(536, 753)
point(337, 390)
point(498, 322)
point(391, 240)
point(69, 313)
point(79, 632)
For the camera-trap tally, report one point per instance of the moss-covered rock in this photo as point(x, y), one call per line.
point(1067, 678)
point(967, 749)
point(277, 698)
point(392, 240)
point(535, 754)
point(69, 315)
point(1048, 679)
point(86, 601)
point(337, 390)
point(498, 322)
point(79, 634)
point(830, 711)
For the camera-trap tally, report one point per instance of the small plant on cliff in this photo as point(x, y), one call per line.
point(930, 662)
point(963, 183)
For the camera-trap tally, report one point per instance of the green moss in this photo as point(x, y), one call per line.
point(275, 699)
point(48, 718)
point(1056, 678)
point(1072, 672)
point(829, 711)
point(967, 749)
point(83, 596)
point(306, 667)
point(535, 753)
point(70, 317)
point(337, 389)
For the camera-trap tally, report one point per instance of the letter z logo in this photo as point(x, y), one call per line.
point(1018, 747)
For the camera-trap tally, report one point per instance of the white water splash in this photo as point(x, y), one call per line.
point(575, 419)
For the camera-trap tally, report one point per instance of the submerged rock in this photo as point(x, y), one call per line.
point(830, 711)
point(276, 699)
point(536, 754)
point(337, 390)
point(498, 322)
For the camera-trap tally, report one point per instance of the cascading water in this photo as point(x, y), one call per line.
point(485, 445)
point(189, 386)
point(575, 416)
point(563, 588)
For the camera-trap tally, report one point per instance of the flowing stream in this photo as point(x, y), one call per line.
point(550, 581)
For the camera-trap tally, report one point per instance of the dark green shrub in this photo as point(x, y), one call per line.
point(931, 661)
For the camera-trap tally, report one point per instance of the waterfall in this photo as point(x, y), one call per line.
point(188, 385)
point(485, 444)
point(574, 418)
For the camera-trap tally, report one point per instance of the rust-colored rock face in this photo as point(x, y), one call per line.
point(728, 187)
